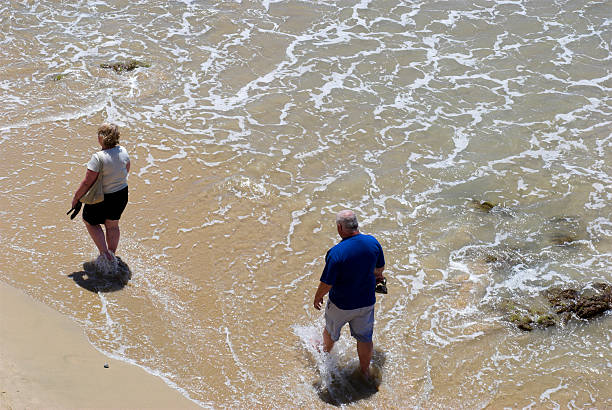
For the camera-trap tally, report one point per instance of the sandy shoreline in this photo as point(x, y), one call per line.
point(47, 362)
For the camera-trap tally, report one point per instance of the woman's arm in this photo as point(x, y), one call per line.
point(90, 178)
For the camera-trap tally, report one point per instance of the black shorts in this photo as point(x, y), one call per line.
point(111, 208)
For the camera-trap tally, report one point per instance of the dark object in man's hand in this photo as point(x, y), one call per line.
point(76, 210)
point(381, 286)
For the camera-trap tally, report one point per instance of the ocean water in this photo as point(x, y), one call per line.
point(254, 123)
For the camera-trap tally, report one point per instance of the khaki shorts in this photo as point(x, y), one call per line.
point(361, 321)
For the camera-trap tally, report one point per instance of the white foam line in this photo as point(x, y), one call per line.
point(599, 225)
point(62, 117)
point(295, 220)
point(395, 314)
point(461, 142)
point(242, 95)
point(104, 310)
point(266, 3)
point(245, 375)
point(204, 225)
point(363, 5)
point(548, 392)
point(155, 373)
point(150, 163)
point(581, 171)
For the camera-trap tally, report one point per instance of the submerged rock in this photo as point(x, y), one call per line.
point(546, 321)
point(586, 304)
point(562, 300)
point(564, 230)
point(506, 257)
point(591, 307)
point(565, 304)
point(560, 238)
point(485, 206)
point(523, 322)
point(125, 66)
point(594, 302)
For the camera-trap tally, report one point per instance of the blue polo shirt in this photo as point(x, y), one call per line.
point(349, 269)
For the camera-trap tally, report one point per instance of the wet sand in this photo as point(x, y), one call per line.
point(47, 362)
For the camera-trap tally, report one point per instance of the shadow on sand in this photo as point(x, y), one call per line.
point(95, 280)
point(348, 386)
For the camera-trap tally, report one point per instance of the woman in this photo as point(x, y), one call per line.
point(115, 164)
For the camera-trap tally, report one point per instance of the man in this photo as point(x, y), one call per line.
point(352, 268)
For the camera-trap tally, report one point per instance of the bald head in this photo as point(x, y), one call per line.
point(348, 221)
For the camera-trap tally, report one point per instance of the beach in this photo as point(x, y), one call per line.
point(47, 362)
point(473, 140)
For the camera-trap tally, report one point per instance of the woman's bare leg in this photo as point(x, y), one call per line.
point(97, 234)
point(112, 234)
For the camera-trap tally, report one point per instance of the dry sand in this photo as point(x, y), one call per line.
point(47, 362)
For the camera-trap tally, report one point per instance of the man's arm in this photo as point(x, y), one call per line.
point(378, 273)
point(321, 291)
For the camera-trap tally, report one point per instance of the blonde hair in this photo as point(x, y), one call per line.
point(110, 134)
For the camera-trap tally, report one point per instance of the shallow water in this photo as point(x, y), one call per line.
point(255, 123)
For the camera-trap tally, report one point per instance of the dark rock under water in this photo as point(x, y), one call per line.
point(125, 66)
point(565, 303)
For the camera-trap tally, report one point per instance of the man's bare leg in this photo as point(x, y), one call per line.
point(364, 350)
point(328, 343)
